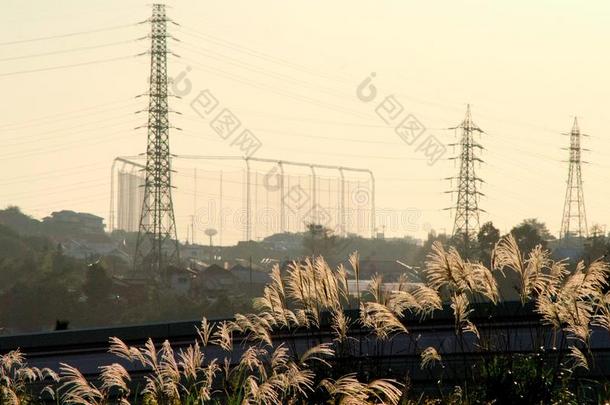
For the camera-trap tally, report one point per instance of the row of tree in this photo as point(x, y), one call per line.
point(40, 285)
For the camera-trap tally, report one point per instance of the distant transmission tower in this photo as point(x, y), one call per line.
point(467, 209)
point(574, 221)
point(157, 244)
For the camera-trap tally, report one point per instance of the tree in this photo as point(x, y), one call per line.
point(98, 290)
point(37, 303)
point(465, 244)
point(596, 245)
point(19, 222)
point(531, 233)
point(11, 244)
point(487, 237)
point(58, 260)
point(425, 249)
point(540, 227)
point(319, 240)
point(97, 286)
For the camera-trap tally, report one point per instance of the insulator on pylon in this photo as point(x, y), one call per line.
point(466, 221)
point(157, 244)
point(574, 220)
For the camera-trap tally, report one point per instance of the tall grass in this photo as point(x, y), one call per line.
point(257, 370)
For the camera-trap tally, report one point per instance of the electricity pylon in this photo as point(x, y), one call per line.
point(574, 221)
point(466, 224)
point(157, 244)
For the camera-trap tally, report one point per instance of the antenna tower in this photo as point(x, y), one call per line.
point(466, 224)
point(157, 244)
point(574, 221)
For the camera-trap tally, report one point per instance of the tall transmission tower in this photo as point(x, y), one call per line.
point(574, 221)
point(157, 244)
point(466, 224)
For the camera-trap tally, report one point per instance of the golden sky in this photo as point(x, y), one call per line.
point(289, 70)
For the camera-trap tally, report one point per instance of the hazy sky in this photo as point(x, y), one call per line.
point(289, 71)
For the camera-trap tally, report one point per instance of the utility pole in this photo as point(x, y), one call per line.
point(466, 223)
point(250, 267)
point(220, 213)
point(574, 220)
point(194, 206)
point(157, 243)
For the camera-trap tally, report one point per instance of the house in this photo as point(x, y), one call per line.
point(216, 280)
point(389, 269)
point(285, 241)
point(84, 249)
point(193, 251)
point(252, 279)
point(181, 279)
point(80, 222)
point(80, 234)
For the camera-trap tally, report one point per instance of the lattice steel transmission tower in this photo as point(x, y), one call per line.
point(157, 244)
point(574, 221)
point(466, 224)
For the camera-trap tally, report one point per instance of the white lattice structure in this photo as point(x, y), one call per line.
point(250, 199)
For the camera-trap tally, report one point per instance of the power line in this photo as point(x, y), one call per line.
point(266, 87)
point(82, 48)
point(62, 147)
point(252, 68)
point(54, 117)
point(62, 131)
point(317, 121)
point(76, 170)
point(91, 196)
point(258, 54)
point(57, 189)
point(45, 69)
point(70, 34)
point(292, 133)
